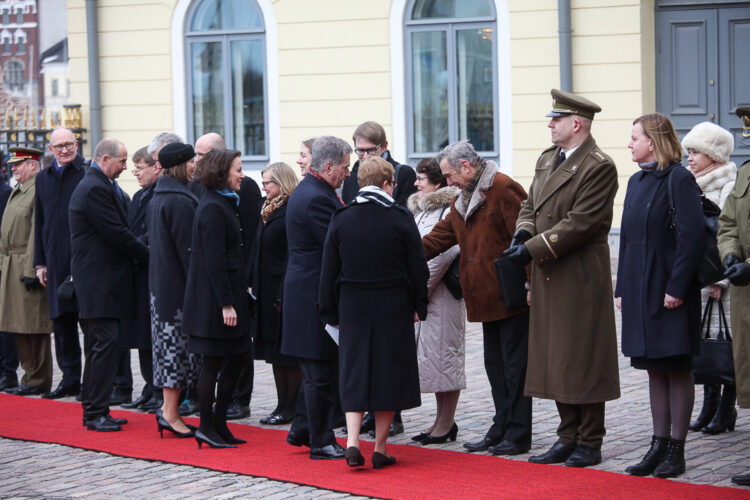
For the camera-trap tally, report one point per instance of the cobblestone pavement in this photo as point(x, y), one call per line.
point(34, 470)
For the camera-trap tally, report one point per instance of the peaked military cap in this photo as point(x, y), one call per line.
point(744, 113)
point(175, 153)
point(18, 154)
point(565, 103)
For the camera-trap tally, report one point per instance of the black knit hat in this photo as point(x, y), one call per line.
point(175, 153)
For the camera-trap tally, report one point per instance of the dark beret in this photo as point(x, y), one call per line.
point(175, 153)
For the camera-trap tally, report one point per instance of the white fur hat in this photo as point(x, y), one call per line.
point(711, 140)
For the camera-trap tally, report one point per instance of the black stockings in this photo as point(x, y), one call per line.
point(672, 394)
point(218, 374)
point(288, 380)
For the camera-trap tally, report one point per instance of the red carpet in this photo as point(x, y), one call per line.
point(420, 473)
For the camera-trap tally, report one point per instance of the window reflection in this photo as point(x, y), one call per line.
point(431, 9)
point(474, 78)
point(208, 91)
point(247, 95)
point(430, 83)
point(223, 15)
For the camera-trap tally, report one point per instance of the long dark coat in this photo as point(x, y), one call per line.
point(4, 195)
point(103, 248)
point(572, 335)
point(404, 182)
point(52, 228)
point(654, 262)
point(309, 211)
point(250, 204)
point(216, 276)
point(373, 280)
point(268, 271)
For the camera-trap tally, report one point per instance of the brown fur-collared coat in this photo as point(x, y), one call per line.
point(572, 336)
point(482, 232)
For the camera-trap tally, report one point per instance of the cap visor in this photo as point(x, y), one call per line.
point(553, 114)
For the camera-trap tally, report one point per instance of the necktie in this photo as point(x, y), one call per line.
point(560, 159)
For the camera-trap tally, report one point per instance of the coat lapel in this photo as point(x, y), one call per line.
point(557, 178)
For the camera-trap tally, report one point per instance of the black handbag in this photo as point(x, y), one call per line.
point(512, 278)
point(451, 279)
point(66, 292)
point(714, 365)
point(710, 269)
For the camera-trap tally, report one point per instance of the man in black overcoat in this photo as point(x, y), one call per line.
point(370, 140)
point(8, 352)
point(309, 211)
point(104, 251)
point(54, 187)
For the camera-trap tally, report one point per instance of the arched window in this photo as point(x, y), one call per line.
point(225, 60)
point(451, 76)
point(14, 77)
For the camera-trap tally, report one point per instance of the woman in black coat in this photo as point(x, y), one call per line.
point(217, 313)
point(170, 222)
point(657, 290)
point(271, 252)
point(373, 285)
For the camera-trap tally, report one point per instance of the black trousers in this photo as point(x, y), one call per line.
point(506, 344)
point(243, 391)
point(318, 402)
point(100, 349)
point(124, 374)
point(8, 356)
point(146, 363)
point(68, 348)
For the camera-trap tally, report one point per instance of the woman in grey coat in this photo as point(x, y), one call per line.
point(440, 337)
point(170, 224)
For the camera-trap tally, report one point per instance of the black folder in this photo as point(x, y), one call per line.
point(512, 278)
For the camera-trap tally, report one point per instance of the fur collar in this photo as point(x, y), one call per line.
point(716, 179)
point(478, 198)
point(432, 201)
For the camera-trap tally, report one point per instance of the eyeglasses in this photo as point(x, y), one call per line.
point(268, 182)
point(68, 145)
point(421, 178)
point(368, 151)
point(139, 170)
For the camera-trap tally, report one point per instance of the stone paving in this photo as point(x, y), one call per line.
point(35, 470)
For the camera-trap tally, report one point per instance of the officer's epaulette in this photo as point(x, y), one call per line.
point(599, 155)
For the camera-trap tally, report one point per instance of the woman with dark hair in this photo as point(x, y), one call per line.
point(657, 290)
point(271, 252)
point(170, 224)
point(373, 286)
point(217, 312)
point(440, 338)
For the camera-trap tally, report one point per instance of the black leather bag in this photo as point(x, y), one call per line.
point(714, 365)
point(451, 279)
point(512, 278)
point(710, 269)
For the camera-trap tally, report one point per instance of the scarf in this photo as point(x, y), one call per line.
point(270, 206)
point(229, 194)
point(374, 194)
point(320, 177)
point(471, 186)
point(649, 166)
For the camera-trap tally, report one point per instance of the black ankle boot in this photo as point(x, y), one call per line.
point(711, 394)
point(674, 462)
point(726, 415)
point(653, 458)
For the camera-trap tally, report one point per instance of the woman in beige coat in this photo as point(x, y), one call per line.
point(23, 301)
point(440, 338)
point(708, 147)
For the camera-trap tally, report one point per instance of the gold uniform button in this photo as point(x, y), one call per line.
point(553, 237)
point(547, 278)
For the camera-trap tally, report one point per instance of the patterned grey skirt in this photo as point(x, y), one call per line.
point(175, 366)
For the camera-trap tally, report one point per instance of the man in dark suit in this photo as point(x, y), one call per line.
point(309, 211)
point(369, 140)
point(104, 251)
point(8, 352)
point(54, 187)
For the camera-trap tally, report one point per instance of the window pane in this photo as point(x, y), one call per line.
point(430, 91)
point(208, 92)
point(247, 96)
point(476, 114)
point(431, 9)
point(214, 15)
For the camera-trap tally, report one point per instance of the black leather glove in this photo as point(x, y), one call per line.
point(518, 254)
point(738, 274)
point(521, 237)
point(730, 260)
point(31, 283)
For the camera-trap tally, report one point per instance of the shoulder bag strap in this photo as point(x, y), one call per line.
point(671, 211)
point(706, 319)
point(723, 321)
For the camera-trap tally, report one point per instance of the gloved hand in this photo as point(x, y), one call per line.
point(730, 260)
point(518, 254)
point(738, 274)
point(521, 237)
point(31, 283)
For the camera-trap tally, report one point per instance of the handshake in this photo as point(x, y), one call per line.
point(736, 270)
point(517, 252)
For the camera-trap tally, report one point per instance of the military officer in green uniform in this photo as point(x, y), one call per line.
point(563, 227)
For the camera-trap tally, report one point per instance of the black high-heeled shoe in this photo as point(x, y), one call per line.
point(419, 437)
point(380, 460)
point(201, 438)
point(430, 439)
point(162, 425)
point(225, 434)
point(354, 457)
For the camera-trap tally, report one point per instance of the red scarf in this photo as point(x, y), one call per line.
point(318, 176)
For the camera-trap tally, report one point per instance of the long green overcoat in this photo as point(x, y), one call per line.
point(21, 311)
point(572, 335)
point(734, 237)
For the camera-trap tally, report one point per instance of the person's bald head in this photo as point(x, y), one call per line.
point(208, 142)
point(63, 145)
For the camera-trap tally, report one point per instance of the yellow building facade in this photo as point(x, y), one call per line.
point(332, 64)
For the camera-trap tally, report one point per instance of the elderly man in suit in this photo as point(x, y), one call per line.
point(104, 252)
point(54, 187)
point(309, 211)
point(563, 226)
